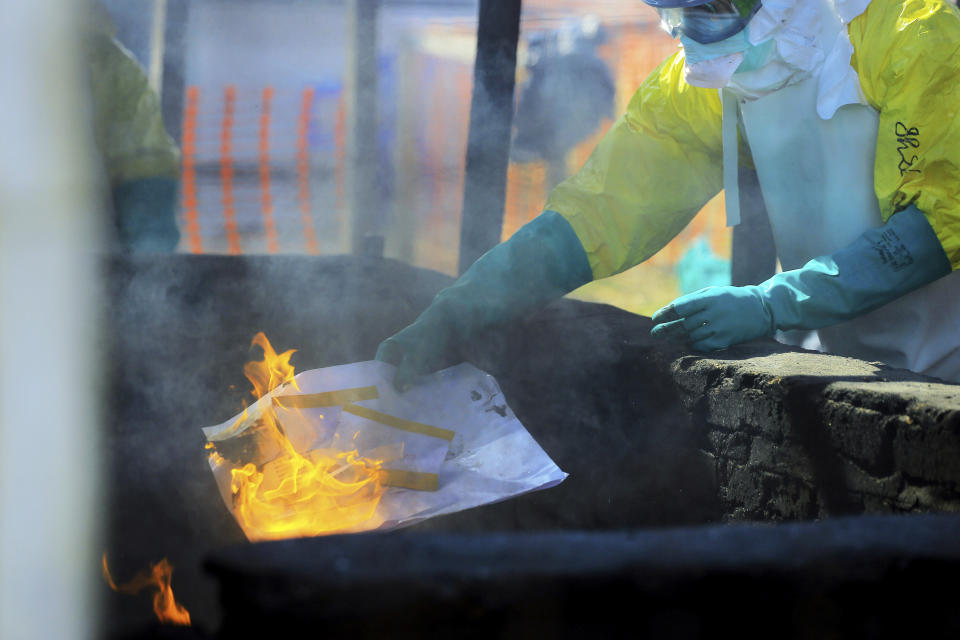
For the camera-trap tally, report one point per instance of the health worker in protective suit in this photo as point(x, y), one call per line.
point(848, 111)
point(139, 160)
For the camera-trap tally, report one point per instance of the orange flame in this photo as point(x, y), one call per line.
point(157, 577)
point(296, 494)
point(267, 374)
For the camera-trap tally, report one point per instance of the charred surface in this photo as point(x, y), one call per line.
point(876, 576)
point(651, 435)
point(588, 382)
point(180, 330)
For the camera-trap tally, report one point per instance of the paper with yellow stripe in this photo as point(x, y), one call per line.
point(451, 443)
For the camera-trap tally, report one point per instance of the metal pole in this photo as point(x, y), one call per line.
point(366, 235)
point(403, 222)
point(49, 378)
point(491, 122)
point(176, 24)
point(157, 41)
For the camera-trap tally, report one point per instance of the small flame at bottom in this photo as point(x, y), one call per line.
point(157, 577)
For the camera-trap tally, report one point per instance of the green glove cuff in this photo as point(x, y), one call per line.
point(541, 262)
point(145, 214)
point(878, 267)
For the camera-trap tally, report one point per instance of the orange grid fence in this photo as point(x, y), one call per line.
point(226, 170)
point(189, 150)
point(261, 159)
point(247, 167)
point(268, 223)
point(303, 171)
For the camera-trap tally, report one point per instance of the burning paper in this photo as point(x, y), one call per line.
point(338, 450)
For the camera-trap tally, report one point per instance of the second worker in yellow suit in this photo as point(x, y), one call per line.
point(139, 160)
point(848, 111)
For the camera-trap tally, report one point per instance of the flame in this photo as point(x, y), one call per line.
point(267, 374)
point(157, 577)
point(296, 494)
point(215, 457)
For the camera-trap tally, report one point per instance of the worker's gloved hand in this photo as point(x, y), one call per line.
point(541, 262)
point(145, 215)
point(878, 267)
point(429, 344)
point(715, 318)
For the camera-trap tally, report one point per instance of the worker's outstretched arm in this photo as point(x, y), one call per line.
point(649, 175)
point(541, 262)
point(880, 266)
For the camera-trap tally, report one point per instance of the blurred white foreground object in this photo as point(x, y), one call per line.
point(50, 457)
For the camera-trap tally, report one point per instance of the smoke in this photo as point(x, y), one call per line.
point(180, 325)
point(180, 328)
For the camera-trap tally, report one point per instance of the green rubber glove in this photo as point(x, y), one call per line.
point(145, 215)
point(541, 262)
point(878, 267)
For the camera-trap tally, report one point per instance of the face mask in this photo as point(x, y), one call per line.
point(696, 52)
point(756, 56)
point(714, 73)
point(713, 65)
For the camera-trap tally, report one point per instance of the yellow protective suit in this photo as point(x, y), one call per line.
point(128, 125)
point(140, 161)
point(662, 160)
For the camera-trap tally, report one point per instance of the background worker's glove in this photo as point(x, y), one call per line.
point(878, 267)
point(145, 215)
point(542, 261)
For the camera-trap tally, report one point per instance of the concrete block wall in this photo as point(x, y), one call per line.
point(653, 434)
point(800, 435)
